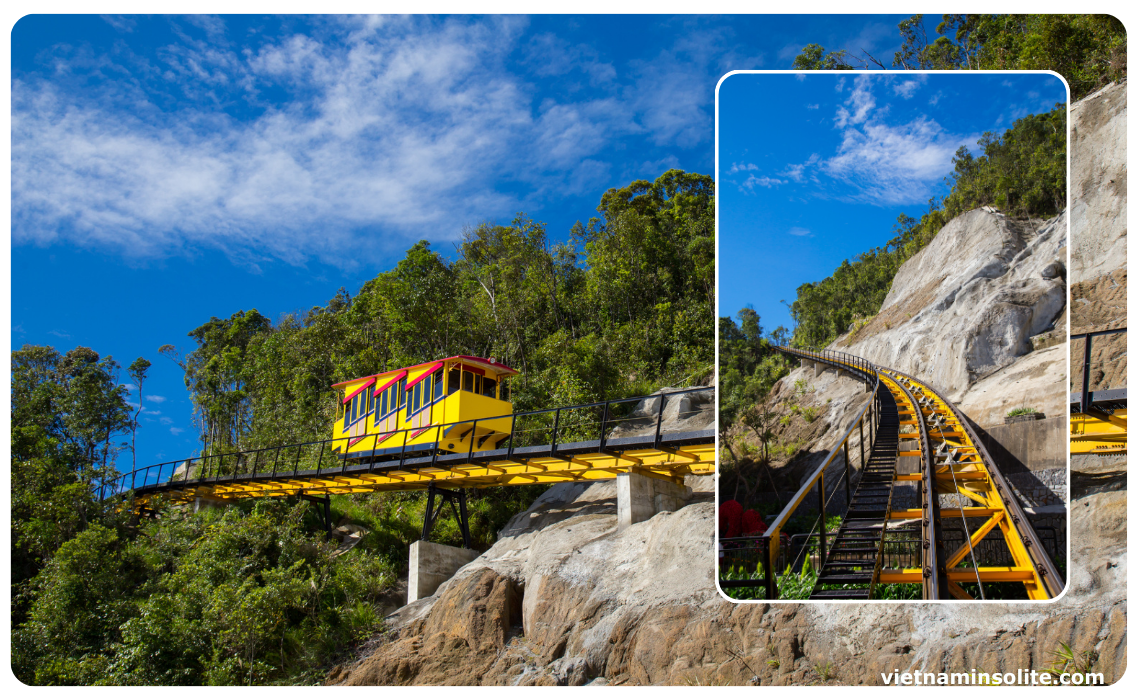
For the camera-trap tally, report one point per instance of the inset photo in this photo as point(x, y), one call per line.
point(893, 336)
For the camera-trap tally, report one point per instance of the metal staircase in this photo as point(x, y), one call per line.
point(851, 568)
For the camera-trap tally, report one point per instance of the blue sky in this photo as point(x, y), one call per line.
point(816, 168)
point(170, 169)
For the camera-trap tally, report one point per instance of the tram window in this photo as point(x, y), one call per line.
point(505, 390)
point(452, 381)
point(401, 389)
point(468, 381)
point(437, 385)
point(368, 407)
point(354, 401)
point(489, 387)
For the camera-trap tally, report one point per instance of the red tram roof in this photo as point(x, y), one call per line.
point(479, 362)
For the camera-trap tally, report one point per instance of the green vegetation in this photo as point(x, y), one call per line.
point(1018, 411)
point(254, 594)
point(1088, 50)
point(240, 597)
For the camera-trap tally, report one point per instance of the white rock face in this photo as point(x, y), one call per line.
point(1099, 177)
point(966, 305)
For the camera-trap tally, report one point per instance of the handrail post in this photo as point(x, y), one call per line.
point(554, 435)
point(511, 441)
point(660, 416)
point(822, 523)
point(771, 591)
point(862, 455)
point(847, 468)
point(320, 459)
point(602, 433)
point(1086, 400)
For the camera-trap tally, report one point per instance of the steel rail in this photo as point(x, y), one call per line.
point(1048, 575)
point(933, 573)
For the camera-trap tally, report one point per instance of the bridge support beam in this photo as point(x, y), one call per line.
point(642, 495)
point(430, 564)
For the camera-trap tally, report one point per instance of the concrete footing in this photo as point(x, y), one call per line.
point(640, 496)
point(430, 564)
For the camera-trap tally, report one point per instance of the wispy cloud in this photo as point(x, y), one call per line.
point(861, 101)
point(907, 89)
point(895, 164)
point(796, 171)
point(812, 107)
point(154, 398)
point(753, 182)
point(176, 431)
point(800, 231)
point(59, 333)
point(385, 134)
point(165, 420)
point(742, 166)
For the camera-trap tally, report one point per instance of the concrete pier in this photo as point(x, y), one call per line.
point(641, 495)
point(430, 564)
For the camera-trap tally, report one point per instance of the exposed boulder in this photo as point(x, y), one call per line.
point(966, 306)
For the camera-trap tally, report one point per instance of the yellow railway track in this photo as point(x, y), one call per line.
point(949, 449)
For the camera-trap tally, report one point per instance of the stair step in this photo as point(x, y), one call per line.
point(841, 595)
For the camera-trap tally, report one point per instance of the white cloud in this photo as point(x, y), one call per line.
point(796, 171)
point(59, 333)
point(800, 231)
point(861, 101)
point(754, 181)
point(176, 431)
point(907, 89)
point(387, 133)
point(154, 398)
point(165, 420)
point(813, 107)
point(735, 168)
point(801, 76)
point(895, 164)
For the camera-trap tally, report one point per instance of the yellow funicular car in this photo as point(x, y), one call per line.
point(453, 405)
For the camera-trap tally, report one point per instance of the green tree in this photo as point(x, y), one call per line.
point(137, 371)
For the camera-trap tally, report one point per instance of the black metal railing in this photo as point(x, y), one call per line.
point(770, 543)
point(1086, 401)
point(637, 419)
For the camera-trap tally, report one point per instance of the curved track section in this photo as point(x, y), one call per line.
point(960, 490)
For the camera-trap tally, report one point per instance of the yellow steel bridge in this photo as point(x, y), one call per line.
point(542, 447)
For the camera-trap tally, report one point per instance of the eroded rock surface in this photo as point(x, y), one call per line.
point(966, 306)
point(1099, 178)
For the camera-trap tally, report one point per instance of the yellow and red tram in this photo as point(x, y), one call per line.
point(425, 407)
